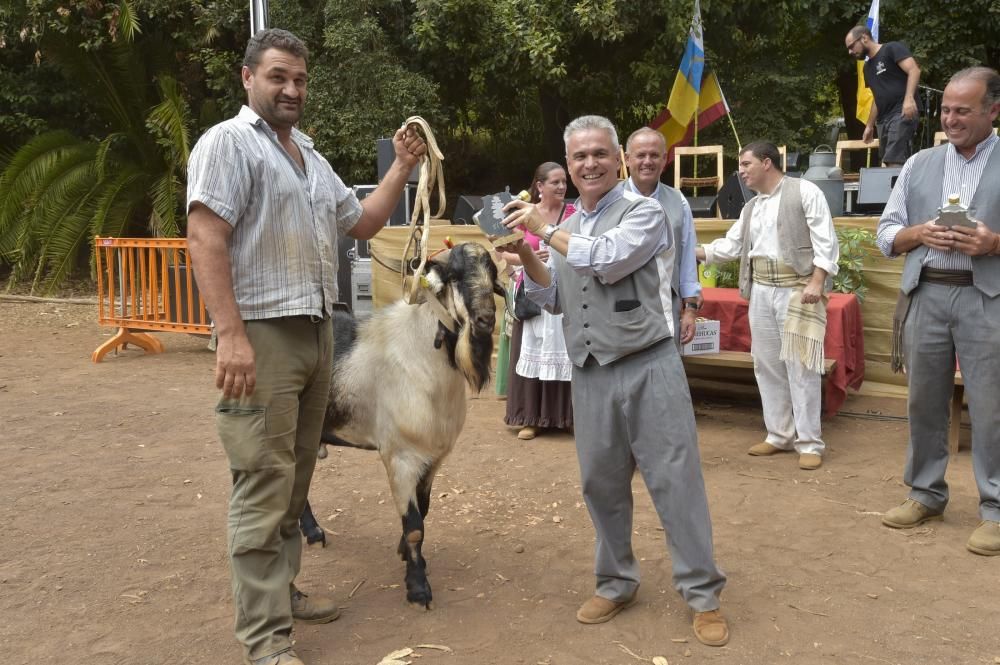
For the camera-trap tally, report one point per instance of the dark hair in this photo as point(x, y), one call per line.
point(541, 175)
point(989, 77)
point(859, 31)
point(273, 38)
point(764, 150)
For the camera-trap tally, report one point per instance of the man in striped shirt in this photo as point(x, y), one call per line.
point(609, 273)
point(950, 302)
point(264, 214)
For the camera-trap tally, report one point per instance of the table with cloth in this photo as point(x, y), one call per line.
point(844, 340)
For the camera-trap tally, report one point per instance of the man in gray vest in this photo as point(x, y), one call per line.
point(949, 301)
point(646, 157)
point(609, 273)
point(786, 246)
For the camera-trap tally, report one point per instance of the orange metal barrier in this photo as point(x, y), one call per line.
point(146, 284)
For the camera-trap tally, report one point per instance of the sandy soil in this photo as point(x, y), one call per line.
point(113, 549)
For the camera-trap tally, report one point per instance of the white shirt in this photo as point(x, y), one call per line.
point(764, 230)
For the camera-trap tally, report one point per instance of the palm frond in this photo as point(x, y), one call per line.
point(163, 220)
point(128, 20)
point(24, 185)
point(114, 207)
point(104, 152)
point(170, 121)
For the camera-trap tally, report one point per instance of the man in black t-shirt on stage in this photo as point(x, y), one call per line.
point(892, 74)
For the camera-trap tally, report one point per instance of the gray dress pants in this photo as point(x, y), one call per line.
point(636, 412)
point(942, 321)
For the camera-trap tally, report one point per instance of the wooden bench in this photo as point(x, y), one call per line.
point(738, 360)
point(744, 361)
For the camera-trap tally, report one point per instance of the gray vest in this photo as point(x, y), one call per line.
point(591, 324)
point(923, 197)
point(794, 243)
point(672, 203)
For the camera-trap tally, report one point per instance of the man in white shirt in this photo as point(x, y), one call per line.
point(646, 157)
point(787, 248)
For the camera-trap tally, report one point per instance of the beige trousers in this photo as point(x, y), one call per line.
point(271, 439)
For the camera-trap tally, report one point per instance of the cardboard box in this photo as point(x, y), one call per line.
point(706, 339)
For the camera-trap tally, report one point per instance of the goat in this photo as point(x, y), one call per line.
point(399, 387)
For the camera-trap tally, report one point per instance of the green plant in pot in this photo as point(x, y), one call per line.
point(855, 245)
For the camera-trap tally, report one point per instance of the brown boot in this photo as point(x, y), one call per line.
point(599, 609)
point(711, 628)
point(313, 609)
point(764, 449)
point(286, 657)
point(985, 539)
point(909, 514)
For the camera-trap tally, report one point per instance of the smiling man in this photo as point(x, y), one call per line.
point(609, 273)
point(265, 211)
point(950, 302)
point(786, 246)
point(646, 157)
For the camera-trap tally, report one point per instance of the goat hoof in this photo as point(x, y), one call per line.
point(318, 536)
point(419, 593)
point(322, 451)
point(420, 599)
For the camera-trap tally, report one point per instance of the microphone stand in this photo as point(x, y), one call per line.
point(928, 134)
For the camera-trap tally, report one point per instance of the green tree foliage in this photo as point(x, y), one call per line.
point(360, 87)
point(125, 176)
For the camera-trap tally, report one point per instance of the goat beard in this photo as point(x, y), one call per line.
point(472, 357)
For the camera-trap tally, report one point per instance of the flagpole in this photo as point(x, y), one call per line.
point(739, 144)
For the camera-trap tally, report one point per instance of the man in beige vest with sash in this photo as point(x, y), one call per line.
point(950, 302)
point(609, 273)
point(787, 247)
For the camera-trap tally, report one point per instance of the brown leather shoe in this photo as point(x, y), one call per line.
point(909, 514)
point(810, 461)
point(599, 609)
point(711, 628)
point(313, 609)
point(985, 539)
point(764, 449)
point(527, 433)
point(286, 657)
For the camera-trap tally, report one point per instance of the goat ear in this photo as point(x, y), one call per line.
point(437, 277)
point(498, 289)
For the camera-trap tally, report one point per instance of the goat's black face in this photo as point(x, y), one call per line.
point(475, 275)
point(471, 278)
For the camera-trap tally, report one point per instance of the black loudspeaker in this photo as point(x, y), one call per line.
point(385, 155)
point(702, 206)
point(874, 187)
point(465, 208)
point(733, 196)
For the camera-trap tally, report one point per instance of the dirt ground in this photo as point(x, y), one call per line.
point(113, 548)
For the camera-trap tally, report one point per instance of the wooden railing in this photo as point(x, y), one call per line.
point(146, 284)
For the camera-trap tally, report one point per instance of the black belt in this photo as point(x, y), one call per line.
point(311, 318)
point(946, 277)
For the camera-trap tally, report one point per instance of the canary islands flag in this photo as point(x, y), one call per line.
point(864, 92)
point(696, 94)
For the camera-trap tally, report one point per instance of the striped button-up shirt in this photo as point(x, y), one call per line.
point(285, 220)
point(609, 257)
point(961, 176)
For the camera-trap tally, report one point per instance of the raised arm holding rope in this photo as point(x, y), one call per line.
point(265, 212)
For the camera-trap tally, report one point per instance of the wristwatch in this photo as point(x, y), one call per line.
point(548, 231)
point(691, 305)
